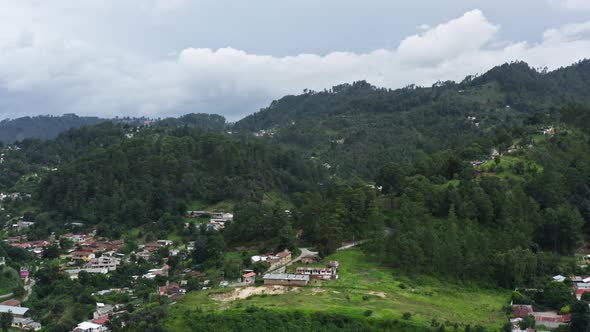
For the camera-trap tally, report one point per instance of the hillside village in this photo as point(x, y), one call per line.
point(85, 254)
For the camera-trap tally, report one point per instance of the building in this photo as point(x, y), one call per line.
point(522, 310)
point(171, 289)
point(334, 264)
point(309, 259)
point(90, 327)
point(324, 273)
point(11, 303)
point(104, 262)
point(26, 324)
point(17, 312)
point(249, 278)
point(102, 310)
point(74, 273)
point(284, 257)
point(83, 255)
point(271, 279)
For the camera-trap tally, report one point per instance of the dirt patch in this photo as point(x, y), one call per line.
point(246, 292)
point(378, 294)
point(317, 290)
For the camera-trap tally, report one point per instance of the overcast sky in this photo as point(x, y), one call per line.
point(170, 57)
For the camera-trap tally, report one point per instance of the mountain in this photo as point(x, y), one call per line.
point(42, 127)
point(353, 129)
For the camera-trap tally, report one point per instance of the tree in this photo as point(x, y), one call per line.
point(527, 322)
point(6, 319)
point(580, 317)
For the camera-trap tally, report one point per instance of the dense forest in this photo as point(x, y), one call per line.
point(354, 129)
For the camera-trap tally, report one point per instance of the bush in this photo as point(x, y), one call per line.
point(368, 313)
point(403, 286)
point(564, 310)
point(365, 298)
point(407, 315)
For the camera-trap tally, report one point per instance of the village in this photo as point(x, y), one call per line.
point(84, 254)
point(523, 314)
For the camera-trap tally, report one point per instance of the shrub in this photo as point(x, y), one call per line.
point(407, 315)
point(368, 313)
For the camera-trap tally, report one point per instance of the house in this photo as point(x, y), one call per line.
point(271, 279)
point(284, 257)
point(551, 319)
point(582, 285)
point(104, 262)
point(163, 271)
point(102, 310)
point(83, 255)
point(90, 327)
point(324, 273)
point(521, 310)
point(26, 324)
point(11, 303)
point(334, 264)
point(17, 312)
point(165, 242)
point(249, 278)
point(309, 259)
point(171, 289)
point(559, 278)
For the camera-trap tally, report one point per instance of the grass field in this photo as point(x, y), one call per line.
point(365, 286)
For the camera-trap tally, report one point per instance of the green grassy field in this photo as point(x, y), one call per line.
point(366, 286)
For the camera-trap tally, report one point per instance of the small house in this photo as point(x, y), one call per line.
point(249, 278)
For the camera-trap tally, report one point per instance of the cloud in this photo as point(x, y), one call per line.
point(45, 72)
point(466, 33)
point(575, 4)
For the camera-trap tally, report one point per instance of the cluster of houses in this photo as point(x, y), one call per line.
point(275, 260)
point(35, 247)
point(549, 319)
point(303, 275)
point(216, 221)
point(148, 249)
point(19, 316)
point(100, 317)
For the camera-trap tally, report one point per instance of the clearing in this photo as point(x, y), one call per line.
point(363, 285)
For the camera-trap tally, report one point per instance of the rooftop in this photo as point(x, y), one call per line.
point(283, 276)
point(14, 310)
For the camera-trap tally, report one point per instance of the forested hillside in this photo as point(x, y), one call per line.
point(42, 127)
point(356, 128)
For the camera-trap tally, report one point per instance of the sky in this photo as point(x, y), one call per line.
point(160, 58)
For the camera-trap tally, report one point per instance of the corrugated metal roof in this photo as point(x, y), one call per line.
point(14, 310)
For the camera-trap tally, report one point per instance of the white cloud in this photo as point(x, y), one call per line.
point(51, 72)
point(466, 33)
point(575, 4)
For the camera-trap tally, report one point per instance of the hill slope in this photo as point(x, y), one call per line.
point(356, 128)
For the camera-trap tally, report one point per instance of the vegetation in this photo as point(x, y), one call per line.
point(363, 286)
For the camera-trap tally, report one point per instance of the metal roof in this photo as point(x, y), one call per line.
point(283, 276)
point(14, 310)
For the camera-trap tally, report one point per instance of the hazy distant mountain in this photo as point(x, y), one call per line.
point(42, 127)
